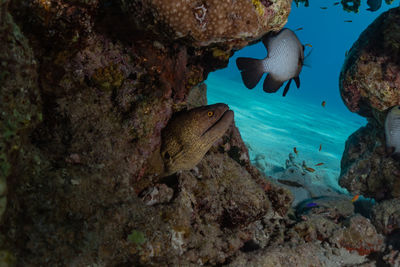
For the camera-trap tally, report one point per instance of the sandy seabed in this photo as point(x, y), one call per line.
point(272, 126)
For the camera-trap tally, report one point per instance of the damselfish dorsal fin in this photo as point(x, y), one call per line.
point(251, 70)
point(271, 85)
point(287, 87)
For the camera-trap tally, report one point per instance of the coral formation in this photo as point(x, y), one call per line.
point(351, 5)
point(306, 254)
point(370, 76)
point(19, 114)
point(335, 208)
point(83, 106)
point(359, 235)
point(386, 216)
point(210, 21)
point(85, 99)
point(366, 168)
point(369, 85)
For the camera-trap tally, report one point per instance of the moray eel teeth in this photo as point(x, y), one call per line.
point(190, 134)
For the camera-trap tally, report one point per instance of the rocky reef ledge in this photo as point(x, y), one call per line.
point(370, 85)
point(88, 88)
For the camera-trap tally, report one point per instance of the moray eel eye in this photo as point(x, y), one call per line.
point(167, 156)
point(210, 113)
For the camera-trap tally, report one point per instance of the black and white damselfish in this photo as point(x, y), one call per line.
point(284, 62)
point(392, 132)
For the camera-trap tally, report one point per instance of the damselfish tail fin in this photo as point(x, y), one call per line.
point(251, 70)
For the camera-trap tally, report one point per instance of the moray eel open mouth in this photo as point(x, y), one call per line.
point(224, 121)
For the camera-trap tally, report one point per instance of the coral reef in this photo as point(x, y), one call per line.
point(370, 76)
point(209, 21)
point(366, 168)
point(359, 235)
point(351, 5)
point(386, 216)
point(335, 208)
point(369, 85)
point(19, 113)
point(353, 233)
point(309, 254)
point(85, 96)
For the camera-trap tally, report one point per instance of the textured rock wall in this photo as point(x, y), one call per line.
point(87, 88)
point(370, 77)
point(370, 85)
point(86, 92)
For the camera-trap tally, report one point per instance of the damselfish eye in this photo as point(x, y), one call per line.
point(210, 113)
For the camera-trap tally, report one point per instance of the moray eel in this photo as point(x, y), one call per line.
point(190, 134)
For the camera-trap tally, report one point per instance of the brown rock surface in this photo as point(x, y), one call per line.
point(370, 76)
point(386, 216)
point(96, 94)
point(308, 254)
point(365, 167)
point(210, 21)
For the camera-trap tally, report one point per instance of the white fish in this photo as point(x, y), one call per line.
point(392, 131)
point(284, 62)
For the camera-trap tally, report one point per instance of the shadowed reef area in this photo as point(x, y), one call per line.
point(87, 88)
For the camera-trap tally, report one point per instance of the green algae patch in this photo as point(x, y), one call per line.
point(221, 54)
point(7, 259)
point(137, 237)
point(108, 78)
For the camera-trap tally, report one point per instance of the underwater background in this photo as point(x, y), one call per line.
point(272, 125)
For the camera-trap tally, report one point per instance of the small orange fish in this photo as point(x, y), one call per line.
point(319, 164)
point(309, 45)
point(295, 151)
point(299, 29)
point(355, 198)
point(323, 104)
point(309, 169)
point(320, 147)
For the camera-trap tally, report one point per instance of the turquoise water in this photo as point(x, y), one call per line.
point(273, 125)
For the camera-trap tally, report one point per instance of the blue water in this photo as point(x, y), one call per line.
point(273, 125)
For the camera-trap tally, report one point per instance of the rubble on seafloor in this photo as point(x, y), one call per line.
point(297, 177)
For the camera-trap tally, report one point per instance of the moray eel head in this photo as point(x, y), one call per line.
point(190, 134)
